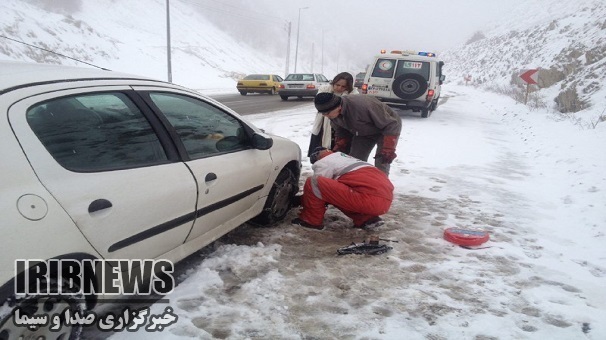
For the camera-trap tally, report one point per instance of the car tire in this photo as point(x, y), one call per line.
point(409, 86)
point(273, 91)
point(46, 305)
point(243, 93)
point(284, 97)
point(425, 112)
point(280, 198)
point(434, 104)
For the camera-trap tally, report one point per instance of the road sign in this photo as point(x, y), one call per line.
point(530, 76)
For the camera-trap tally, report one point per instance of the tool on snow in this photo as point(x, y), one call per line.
point(369, 247)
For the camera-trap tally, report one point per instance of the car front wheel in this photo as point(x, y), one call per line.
point(279, 200)
point(36, 305)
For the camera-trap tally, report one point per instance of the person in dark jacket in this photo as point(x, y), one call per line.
point(358, 189)
point(322, 133)
point(361, 123)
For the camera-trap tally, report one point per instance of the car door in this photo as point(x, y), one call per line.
point(231, 175)
point(108, 166)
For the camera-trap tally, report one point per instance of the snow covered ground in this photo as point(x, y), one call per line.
point(536, 183)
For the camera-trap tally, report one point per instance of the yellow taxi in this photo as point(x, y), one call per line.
point(259, 83)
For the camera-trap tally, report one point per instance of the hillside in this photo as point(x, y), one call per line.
point(567, 42)
point(106, 33)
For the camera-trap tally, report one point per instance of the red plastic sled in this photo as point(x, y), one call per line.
point(466, 237)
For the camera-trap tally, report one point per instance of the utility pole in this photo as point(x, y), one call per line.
point(322, 65)
point(170, 74)
point(312, 57)
point(338, 52)
point(298, 31)
point(287, 51)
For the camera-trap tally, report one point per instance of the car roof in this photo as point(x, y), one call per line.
point(15, 74)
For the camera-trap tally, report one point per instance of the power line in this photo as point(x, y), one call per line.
point(53, 52)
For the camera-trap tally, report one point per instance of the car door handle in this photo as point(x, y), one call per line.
point(211, 176)
point(99, 204)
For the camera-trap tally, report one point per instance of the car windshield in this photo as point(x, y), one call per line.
point(257, 77)
point(360, 76)
point(299, 77)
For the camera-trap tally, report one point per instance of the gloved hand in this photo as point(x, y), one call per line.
point(341, 144)
point(388, 151)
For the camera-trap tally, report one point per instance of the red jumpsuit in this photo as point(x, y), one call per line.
point(355, 187)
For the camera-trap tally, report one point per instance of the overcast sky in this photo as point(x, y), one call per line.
point(357, 27)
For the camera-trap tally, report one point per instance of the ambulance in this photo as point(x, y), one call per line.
point(407, 80)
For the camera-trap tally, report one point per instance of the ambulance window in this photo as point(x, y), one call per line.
point(384, 68)
point(416, 67)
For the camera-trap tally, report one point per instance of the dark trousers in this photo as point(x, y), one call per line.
point(361, 146)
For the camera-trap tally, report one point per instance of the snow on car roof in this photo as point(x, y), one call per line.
point(18, 74)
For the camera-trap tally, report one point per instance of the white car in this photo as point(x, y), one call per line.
point(302, 85)
point(103, 165)
point(406, 80)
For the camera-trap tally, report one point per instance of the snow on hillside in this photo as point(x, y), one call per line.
point(565, 40)
point(106, 33)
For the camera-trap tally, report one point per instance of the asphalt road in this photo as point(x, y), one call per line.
point(259, 103)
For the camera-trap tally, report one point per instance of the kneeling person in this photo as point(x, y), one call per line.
point(360, 190)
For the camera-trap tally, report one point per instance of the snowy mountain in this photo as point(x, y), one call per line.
point(130, 37)
point(565, 40)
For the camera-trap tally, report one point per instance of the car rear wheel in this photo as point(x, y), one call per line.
point(279, 200)
point(243, 93)
point(409, 86)
point(273, 91)
point(284, 97)
point(434, 104)
point(425, 112)
point(36, 305)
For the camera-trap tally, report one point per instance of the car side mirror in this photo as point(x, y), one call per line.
point(262, 141)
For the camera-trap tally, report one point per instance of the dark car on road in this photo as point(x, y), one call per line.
point(359, 79)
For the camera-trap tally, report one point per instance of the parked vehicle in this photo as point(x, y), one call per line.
point(259, 83)
point(406, 79)
point(102, 165)
point(302, 85)
point(359, 80)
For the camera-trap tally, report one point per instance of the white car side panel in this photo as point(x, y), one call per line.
point(23, 238)
point(142, 198)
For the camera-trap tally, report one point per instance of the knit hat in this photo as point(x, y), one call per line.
point(319, 153)
point(326, 102)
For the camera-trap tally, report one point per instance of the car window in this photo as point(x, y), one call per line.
point(384, 68)
point(96, 132)
point(257, 77)
point(278, 78)
point(322, 78)
point(416, 67)
point(300, 77)
point(205, 130)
